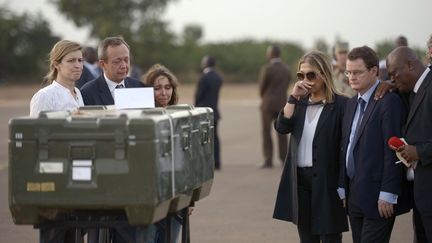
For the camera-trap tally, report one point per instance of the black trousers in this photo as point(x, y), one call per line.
point(216, 147)
point(365, 230)
point(304, 226)
point(419, 230)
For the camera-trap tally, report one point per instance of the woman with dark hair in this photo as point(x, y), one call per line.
point(164, 84)
point(307, 194)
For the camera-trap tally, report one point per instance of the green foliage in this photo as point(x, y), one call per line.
point(384, 47)
point(111, 17)
point(192, 34)
point(24, 44)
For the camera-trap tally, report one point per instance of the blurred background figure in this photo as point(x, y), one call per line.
point(164, 84)
point(274, 80)
point(207, 95)
point(91, 69)
point(135, 70)
point(429, 51)
point(340, 79)
point(401, 41)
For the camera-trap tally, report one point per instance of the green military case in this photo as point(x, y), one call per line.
point(147, 162)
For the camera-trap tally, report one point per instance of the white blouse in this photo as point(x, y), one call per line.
point(55, 97)
point(304, 149)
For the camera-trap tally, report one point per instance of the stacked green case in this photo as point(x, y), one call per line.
point(146, 162)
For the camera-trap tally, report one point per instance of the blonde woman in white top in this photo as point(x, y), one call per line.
point(66, 65)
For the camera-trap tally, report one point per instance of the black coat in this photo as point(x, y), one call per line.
point(96, 92)
point(418, 132)
point(329, 214)
point(207, 93)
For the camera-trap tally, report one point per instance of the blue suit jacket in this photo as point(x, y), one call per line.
point(96, 92)
point(375, 168)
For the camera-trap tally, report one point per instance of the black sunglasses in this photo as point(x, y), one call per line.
point(309, 75)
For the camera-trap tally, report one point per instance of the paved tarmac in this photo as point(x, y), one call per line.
point(240, 206)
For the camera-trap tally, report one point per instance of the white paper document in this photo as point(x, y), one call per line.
point(130, 98)
point(81, 173)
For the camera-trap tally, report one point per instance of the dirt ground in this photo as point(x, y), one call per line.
point(240, 206)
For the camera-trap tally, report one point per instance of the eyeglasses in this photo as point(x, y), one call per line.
point(355, 72)
point(309, 76)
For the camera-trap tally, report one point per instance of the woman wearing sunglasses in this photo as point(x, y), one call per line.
point(307, 194)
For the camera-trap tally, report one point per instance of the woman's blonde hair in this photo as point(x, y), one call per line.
point(322, 63)
point(155, 72)
point(58, 52)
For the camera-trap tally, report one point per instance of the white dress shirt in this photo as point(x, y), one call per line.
point(112, 85)
point(55, 97)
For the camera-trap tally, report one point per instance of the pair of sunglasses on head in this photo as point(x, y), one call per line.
point(309, 76)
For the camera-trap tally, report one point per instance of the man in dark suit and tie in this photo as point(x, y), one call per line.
point(374, 185)
point(274, 80)
point(207, 95)
point(114, 58)
point(413, 77)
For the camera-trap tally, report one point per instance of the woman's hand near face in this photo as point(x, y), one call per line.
point(301, 88)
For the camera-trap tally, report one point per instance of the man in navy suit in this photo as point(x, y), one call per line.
point(373, 183)
point(207, 95)
point(413, 77)
point(114, 58)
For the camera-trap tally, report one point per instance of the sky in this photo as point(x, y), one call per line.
point(364, 22)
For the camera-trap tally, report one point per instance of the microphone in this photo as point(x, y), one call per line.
point(395, 142)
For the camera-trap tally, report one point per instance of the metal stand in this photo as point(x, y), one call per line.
point(100, 229)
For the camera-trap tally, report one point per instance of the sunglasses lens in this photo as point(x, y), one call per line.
point(311, 76)
point(300, 76)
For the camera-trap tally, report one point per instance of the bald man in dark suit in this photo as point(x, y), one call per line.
point(412, 77)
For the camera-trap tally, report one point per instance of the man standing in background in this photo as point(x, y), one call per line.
point(91, 69)
point(340, 79)
point(274, 80)
point(207, 95)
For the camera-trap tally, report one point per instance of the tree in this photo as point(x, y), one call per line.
point(192, 34)
point(24, 43)
point(111, 17)
point(384, 47)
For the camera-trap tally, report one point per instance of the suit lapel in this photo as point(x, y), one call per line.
point(369, 109)
point(104, 92)
point(419, 97)
point(327, 109)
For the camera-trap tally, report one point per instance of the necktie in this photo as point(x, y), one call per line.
point(351, 162)
point(119, 86)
